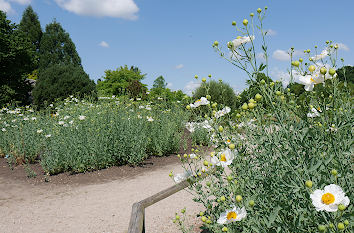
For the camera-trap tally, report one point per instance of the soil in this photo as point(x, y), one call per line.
point(98, 201)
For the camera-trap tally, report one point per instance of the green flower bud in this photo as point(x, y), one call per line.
point(221, 128)
point(251, 14)
point(296, 63)
point(263, 82)
point(251, 203)
point(224, 229)
point(196, 76)
point(245, 106)
point(232, 146)
point(222, 198)
point(346, 222)
point(214, 105)
point(203, 80)
point(251, 105)
point(272, 84)
point(331, 225)
point(259, 10)
point(323, 70)
point(258, 97)
point(201, 213)
point(208, 183)
point(188, 107)
point(327, 42)
point(278, 93)
point(177, 217)
point(229, 178)
point(204, 219)
point(245, 22)
point(233, 23)
point(332, 71)
point(206, 163)
point(308, 51)
point(265, 7)
point(321, 228)
point(208, 221)
point(171, 174)
point(216, 43)
point(183, 210)
point(308, 183)
point(238, 198)
point(238, 115)
point(334, 172)
point(340, 226)
point(301, 60)
point(312, 68)
point(341, 207)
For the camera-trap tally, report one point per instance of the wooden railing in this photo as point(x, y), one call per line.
point(137, 219)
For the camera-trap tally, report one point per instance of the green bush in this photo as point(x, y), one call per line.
point(61, 81)
point(220, 92)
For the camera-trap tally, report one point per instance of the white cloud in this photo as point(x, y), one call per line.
point(271, 32)
point(103, 44)
point(5, 6)
point(180, 66)
point(190, 87)
point(125, 9)
point(343, 46)
point(283, 55)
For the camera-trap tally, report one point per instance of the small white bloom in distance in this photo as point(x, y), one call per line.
point(81, 118)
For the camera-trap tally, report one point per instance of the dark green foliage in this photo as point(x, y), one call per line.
point(136, 89)
point(59, 81)
point(16, 59)
point(56, 47)
point(346, 76)
point(220, 92)
point(159, 83)
point(31, 26)
point(117, 80)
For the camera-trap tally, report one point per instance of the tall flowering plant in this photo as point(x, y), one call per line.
point(277, 164)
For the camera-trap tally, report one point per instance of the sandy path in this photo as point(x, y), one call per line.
point(104, 207)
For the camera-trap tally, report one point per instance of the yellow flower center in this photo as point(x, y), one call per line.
point(328, 198)
point(198, 101)
point(231, 215)
point(223, 157)
point(228, 140)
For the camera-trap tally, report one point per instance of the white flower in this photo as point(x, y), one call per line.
point(14, 120)
point(193, 156)
point(148, 107)
point(320, 56)
point(159, 98)
point(201, 101)
point(138, 99)
point(141, 107)
point(223, 158)
point(48, 135)
point(81, 118)
point(222, 112)
point(71, 122)
point(25, 118)
point(39, 131)
point(140, 117)
point(329, 198)
point(310, 80)
point(34, 118)
point(313, 113)
point(50, 105)
point(242, 40)
point(150, 119)
point(182, 176)
point(232, 215)
point(66, 117)
point(61, 122)
point(3, 129)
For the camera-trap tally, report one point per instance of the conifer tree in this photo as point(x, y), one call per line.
point(31, 26)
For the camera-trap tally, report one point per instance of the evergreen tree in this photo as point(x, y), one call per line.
point(159, 83)
point(16, 60)
point(31, 26)
point(56, 47)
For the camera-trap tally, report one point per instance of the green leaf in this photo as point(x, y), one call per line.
point(273, 216)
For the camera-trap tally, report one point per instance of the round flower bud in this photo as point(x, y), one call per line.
point(214, 105)
point(203, 80)
point(208, 183)
point(251, 14)
point(235, 181)
point(346, 222)
point(341, 207)
point(222, 198)
point(321, 228)
point(331, 225)
point(245, 22)
point(296, 63)
point(171, 174)
point(208, 221)
point(252, 101)
point(308, 183)
point(238, 115)
point(334, 172)
point(327, 42)
point(201, 213)
point(232, 146)
point(177, 217)
point(278, 93)
point(312, 68)
point(224, 229)
point(204, 219)
point(263, 82)
point(188, 107)
point(308, 51)
point(332, 71)
point(265, 7)
point(259, 10)
point(196, 76)
point(233, 23)
point(323, 70)
point(258, 97)
point(185, 155)
point(183, 210)
point(206, 163)
point(340, 226)
point(245, 106)
point(251, 203)
point(208, 97)
point(216, 43)
point(238, 198)
point(251, 105)
point(221, 128)
point(301, 60)
point(272, 84)
point(336, 46)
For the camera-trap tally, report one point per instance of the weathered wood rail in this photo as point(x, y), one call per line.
point(137, 218)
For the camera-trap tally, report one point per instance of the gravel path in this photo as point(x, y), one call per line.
point(100, 207)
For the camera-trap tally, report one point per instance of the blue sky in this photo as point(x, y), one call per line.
point(174, 38)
